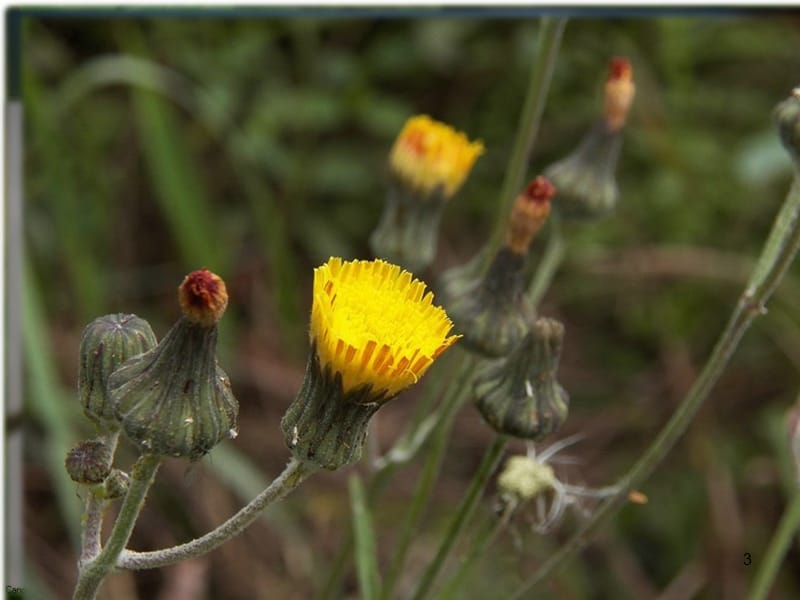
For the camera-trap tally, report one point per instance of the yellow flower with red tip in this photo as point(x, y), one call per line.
point(429, 155)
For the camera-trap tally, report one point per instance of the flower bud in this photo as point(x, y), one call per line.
point(519, 395)
point(374, 332)
point(528, 213)
point(116, 485)
point(493, 313)
point(787, 119)
point(619, 92)
point(428, 164)
point(88, 462)
point(175, 400)
point(585, 179)
point(107, 342)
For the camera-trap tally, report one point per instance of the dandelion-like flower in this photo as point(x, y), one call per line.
point(430, 156)
point(374, 332)
point(428, 164)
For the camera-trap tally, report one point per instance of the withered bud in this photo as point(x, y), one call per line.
point(619, 92)
point(88, 462)
point(528, 214)
point(203, 297)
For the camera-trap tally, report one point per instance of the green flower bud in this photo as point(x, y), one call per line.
point(787, 119)
point(585, 179)
point(492, 312)
point(88, 462)
point(107, 342)
point(175, 400)
point(519, 395)
point(116, 485)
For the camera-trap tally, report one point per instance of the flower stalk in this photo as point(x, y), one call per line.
point(293, 475)
point(778, 253)
point(550, 33)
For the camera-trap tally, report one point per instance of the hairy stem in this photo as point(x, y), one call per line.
point(778, 253)
point(293, 475)
point(94, 508)
point(91, 574)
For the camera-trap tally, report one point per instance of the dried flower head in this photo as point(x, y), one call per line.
point(429, 156)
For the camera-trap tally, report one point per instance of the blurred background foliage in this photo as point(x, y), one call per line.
point(256, 146)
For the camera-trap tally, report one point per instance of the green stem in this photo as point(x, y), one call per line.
point(480, 544)
point(551, 260)
point(550, 33)
point(293, 475)
point(778, 546)
point(463, 513)
point(403, 450)
point(91, 574)
point(94, 508)
point(778, 253)
point(430, 471)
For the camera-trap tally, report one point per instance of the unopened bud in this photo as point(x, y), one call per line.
point(88, 462)
point(203, 297)
point(106, 343)
point(528, 213)
point(520, 395)
point(175, 400)
point(619, 92)
point(116, 484)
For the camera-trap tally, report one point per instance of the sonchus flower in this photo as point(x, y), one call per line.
point(428, 164)
point(175, 400)
point(491, 309)
point(374, 332)
point(586, 178)
point(520, 395)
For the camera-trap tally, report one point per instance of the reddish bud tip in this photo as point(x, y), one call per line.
point(540, 190)
point(619, 68)
point(203, 297)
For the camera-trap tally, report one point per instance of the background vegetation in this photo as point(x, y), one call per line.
point(255, 145)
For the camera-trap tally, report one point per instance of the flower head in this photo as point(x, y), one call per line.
point(376, 325)
point(429, 155)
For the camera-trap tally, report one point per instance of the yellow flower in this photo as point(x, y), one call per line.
point(375, 324)
point(428, 155)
